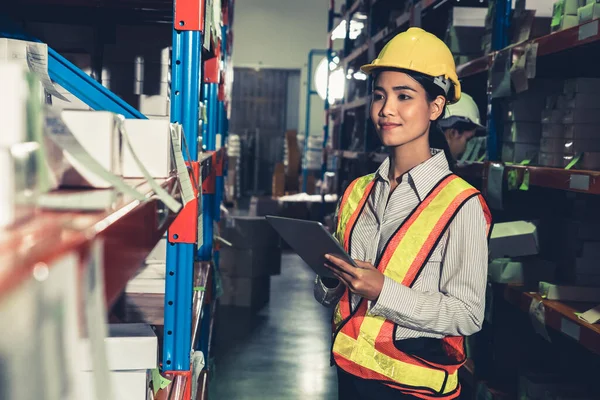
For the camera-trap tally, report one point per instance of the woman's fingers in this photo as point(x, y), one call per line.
point(340, 273)
point(342, 265)
point(364, 264)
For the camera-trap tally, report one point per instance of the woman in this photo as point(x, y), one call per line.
point(418, 235)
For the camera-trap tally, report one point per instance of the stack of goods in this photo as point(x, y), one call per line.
point(514, 248)
point(589, 11)
point(137, 69)
point(247, 266)
point(145, 293)
point(530, 19)
point(234, 152)
point(20, 169)
point(571, 126)
point(131, 354)
point(566, 14)
point(521, 121)
point(466, 27)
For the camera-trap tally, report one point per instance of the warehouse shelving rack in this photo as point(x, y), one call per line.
point(200, 79)
point(556, 55)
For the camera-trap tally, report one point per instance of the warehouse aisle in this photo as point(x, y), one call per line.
point(281, 353)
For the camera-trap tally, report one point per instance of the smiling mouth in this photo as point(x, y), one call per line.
point(387, 127)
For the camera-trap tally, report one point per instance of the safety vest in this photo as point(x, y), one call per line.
point(363, 344)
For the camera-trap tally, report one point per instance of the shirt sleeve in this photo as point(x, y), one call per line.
point(458, 308)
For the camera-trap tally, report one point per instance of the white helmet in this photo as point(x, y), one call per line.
point(464, 110)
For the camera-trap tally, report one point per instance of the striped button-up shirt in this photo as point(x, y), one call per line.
point(448, 297)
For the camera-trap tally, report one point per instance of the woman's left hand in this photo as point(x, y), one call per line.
point(366, 281)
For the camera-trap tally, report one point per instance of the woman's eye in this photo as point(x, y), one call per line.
point(404, 97)
point(377, 97)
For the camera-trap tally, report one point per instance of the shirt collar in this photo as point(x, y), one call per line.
point(424, 176)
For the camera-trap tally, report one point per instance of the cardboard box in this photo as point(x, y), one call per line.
point(252, 293)
point(18, 174)
point(127, 385)
point(529, 270)
point(568, 146)
point(588, 12)
point(518, 152)
point(558, 160)
point(151, 142)
point(15, 51)
point(525, 108)
point(464, 39)
point(551, 291)
point(571, 6)
point(250, 232)
point(98, 133)
point(571, 131)
point(128, 347)
point(13, 101)
point(581, 116)
point(579, 100)
point(568, 21)
point(522, 132)
point(513, 239)
point(582, 85)
point(250, 263)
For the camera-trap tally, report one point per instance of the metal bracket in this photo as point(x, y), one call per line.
point(185, 227)
point(189, 15)
point(211, 70)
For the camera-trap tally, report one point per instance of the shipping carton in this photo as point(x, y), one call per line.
point(513, 239)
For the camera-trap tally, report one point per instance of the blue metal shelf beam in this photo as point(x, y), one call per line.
point(73, 79)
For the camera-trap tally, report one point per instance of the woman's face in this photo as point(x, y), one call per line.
point(400, 109)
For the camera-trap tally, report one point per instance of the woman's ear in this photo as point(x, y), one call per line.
point(437, 107)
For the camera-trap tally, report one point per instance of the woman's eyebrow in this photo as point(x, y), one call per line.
point(395, 88)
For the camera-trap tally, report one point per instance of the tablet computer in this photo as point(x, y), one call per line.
point(311, 241)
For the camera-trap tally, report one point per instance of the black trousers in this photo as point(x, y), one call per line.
point(351, 387)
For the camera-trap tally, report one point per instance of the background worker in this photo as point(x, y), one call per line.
point(460, 124)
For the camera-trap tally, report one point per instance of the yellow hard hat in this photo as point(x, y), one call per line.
point(419, 51)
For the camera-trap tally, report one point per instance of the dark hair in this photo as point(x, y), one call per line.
point(437, 139)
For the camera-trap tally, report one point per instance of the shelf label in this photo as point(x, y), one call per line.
point(570, 328)
point(579, 182)
point(587, 31)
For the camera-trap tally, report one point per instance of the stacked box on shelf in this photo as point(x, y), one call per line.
point(132, 354)
point(570, 13)
point(247, 265)
point(521, 121)
point(137, 68)
point(145, 293)
point(571, 125)
point(589, 11)
point(466, 27)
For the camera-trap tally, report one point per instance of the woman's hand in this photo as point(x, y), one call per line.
point(366, 281)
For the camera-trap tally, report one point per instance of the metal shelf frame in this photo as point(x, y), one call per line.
point(196, 78)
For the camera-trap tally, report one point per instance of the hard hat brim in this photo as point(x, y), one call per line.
point(370, 68)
